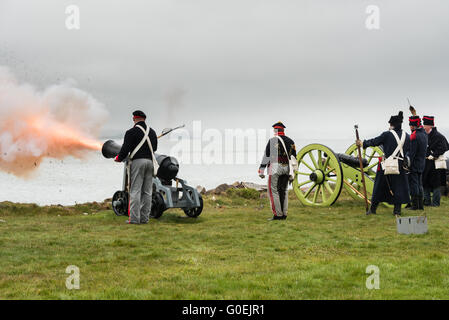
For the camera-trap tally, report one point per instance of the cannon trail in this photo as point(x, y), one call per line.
point(56, 122)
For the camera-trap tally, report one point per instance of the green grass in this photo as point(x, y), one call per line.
point(230, 252)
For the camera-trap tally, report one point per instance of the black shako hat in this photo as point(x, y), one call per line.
point(139, 114)
point(279, 125)
point(428, 120)
point(397, 120)
point(414, 121)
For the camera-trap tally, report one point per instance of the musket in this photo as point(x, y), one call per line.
point(168, 130)
point(362, 171)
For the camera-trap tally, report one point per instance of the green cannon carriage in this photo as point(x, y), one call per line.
point(322, 174)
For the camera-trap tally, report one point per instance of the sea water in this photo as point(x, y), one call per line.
point(70, 181)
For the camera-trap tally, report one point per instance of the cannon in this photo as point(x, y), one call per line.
point(322, 174)
point(165, 195)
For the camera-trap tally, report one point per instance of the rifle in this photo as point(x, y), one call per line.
point(168, 130)
point(362, 172)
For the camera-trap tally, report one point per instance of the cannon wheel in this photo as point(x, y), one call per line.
point(353, 183)
point(122, 208)
point(157, 206)
point(195, 212)
point(319, 179)
point(371, 154)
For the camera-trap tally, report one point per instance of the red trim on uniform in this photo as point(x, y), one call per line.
point(129, 202)
point(129, 210)
point(278, 127)
point(413, 136)
point(273, 208)
point(427, 118)
point(280, 133)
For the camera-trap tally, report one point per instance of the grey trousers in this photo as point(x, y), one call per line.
point(278, 188)
point(432, 200)
point(141, 189)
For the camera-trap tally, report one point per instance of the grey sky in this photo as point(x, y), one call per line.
point(245, 63)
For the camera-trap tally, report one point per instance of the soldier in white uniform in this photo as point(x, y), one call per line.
point(276, 158)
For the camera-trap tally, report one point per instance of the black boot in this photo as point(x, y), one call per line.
point(420, 203)
point(397, 209)
point(372, 209)
point(414, 203)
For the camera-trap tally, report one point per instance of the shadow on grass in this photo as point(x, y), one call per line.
point(177, 217)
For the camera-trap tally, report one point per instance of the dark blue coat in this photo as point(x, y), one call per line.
point(398, 184)
point(437, 145)
point(418, 149)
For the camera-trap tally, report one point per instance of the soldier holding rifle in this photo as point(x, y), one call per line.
point(417, 157)
point(391, 183)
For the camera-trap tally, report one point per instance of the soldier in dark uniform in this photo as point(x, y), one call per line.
point(433, 178)
point(141, 168)
point(277, 157)
point(417, 158)
point(393, 189)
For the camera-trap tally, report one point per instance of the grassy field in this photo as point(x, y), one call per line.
point(230, 252)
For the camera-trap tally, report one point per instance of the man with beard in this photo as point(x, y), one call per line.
point(417, 157)
point(433, 178)
point(391, 188)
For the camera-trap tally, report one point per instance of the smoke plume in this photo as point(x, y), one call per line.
point(174, 100)
point(57, 122)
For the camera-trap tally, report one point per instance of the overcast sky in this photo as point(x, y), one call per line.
point(240, 63)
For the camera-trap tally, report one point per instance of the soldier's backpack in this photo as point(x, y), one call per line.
point(391, 164)
point(440, 162)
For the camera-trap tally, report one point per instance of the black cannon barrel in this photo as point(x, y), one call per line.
point(168, 166)
point(351, 161)
point(110, 149)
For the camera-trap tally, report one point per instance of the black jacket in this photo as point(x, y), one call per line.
point(132, 138)
point(388, 143)
point(398, 184)
point(437, 145)
point(418, 149)
point(282, 156)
